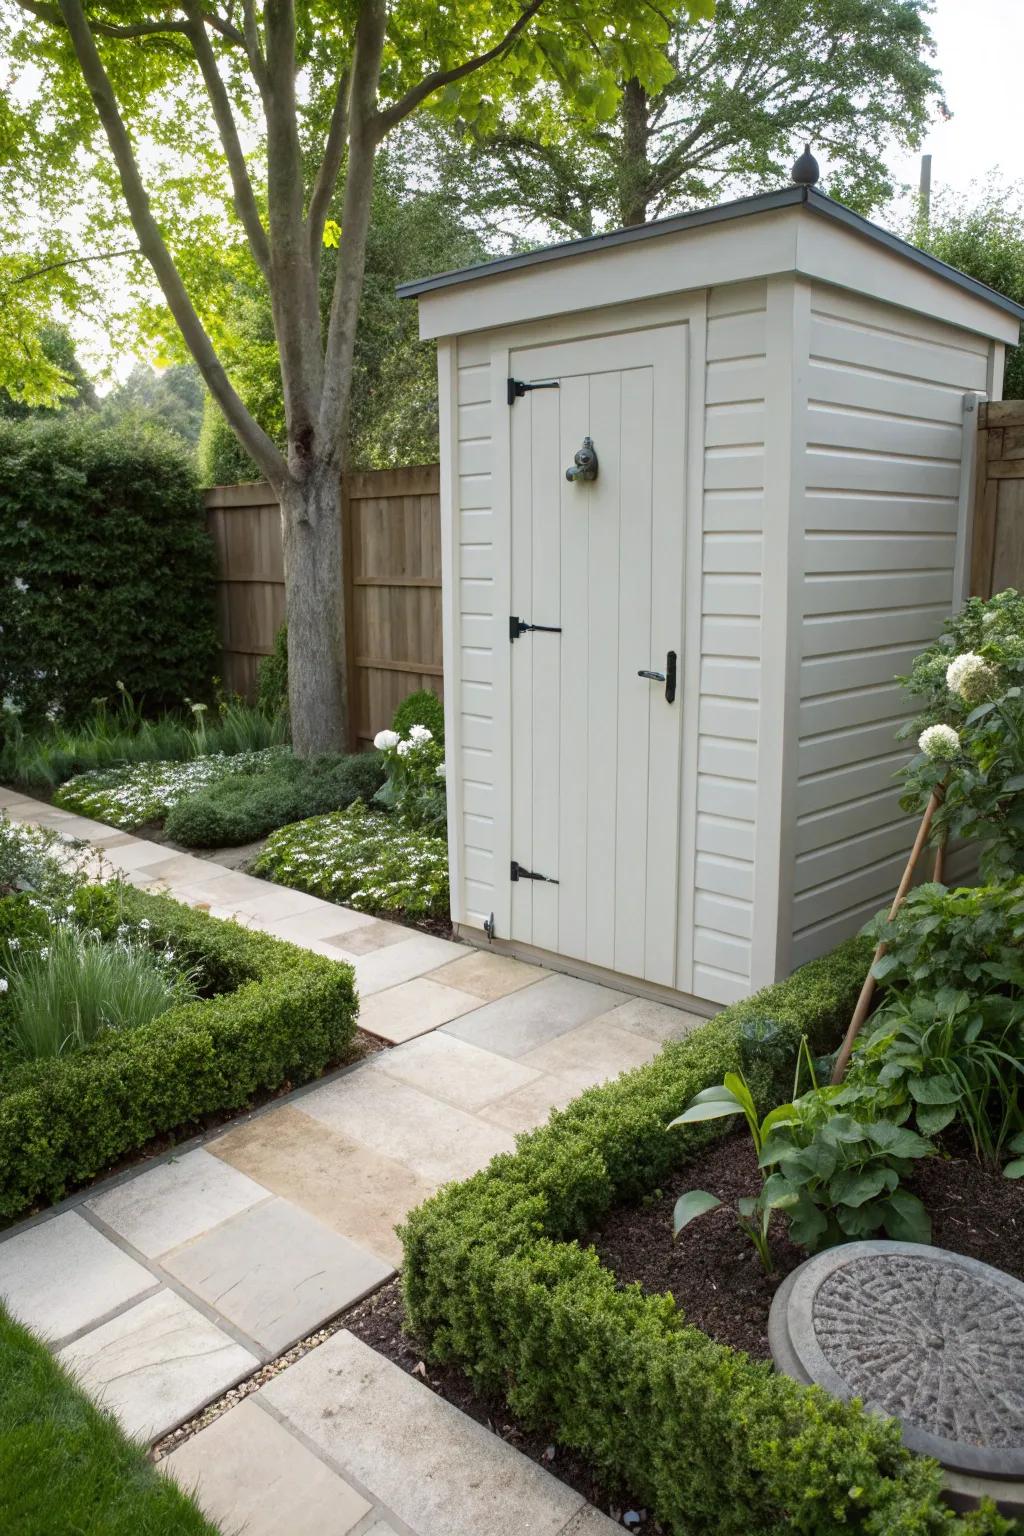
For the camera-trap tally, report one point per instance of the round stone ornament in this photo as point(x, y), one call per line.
point(931, 1338)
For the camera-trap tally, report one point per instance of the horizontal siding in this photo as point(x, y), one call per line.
point(882, 478)
point(730, 673)
point(476, 627)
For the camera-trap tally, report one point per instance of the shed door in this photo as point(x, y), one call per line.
point(595, 747)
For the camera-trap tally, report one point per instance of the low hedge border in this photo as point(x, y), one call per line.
point(495, 1281)
point(287, 1016)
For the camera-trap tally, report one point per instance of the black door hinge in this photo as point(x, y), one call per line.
point(518, 626)
point(517, 872)
point(518, 387)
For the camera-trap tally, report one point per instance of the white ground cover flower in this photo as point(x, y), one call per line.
point(939, 742)
point(972, 678)
point(129, 797)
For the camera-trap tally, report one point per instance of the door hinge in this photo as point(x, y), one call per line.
point(518, 626)
point(517, 872)
point(489, 927)
point(518, 387)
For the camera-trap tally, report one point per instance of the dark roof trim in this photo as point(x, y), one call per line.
point(765, 202)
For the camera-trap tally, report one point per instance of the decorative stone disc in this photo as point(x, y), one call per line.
point(928, 1337)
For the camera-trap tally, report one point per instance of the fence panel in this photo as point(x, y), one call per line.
point(997, 554)
point(391, 523)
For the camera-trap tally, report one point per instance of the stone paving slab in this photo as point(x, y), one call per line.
point(435, 1140)
point(326, 921)
point(655, 1020)
point(524, 1020)
point(592, 1053)
point(451, 1069)
point(386, 967)
point(165, 1206)
point(157, 1364)
point(63, 1275)
point(370, 935)
point(439, 1471)
point(531, 1106)
point(487, 975)
point(349, 1188)
point(254, 1475)
point(275, 1272)
point(413, 1008)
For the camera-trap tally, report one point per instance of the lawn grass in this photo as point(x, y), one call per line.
point(66, 1469)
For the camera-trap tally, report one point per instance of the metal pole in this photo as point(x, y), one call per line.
point(925, 195)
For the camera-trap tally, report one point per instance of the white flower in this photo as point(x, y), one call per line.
point(13, 943)
point(971, 677)
point(440, 770)
point(939, 742)
point(420, 733)
point(44, 953)
point(385, 740)
point(403, 748)
point(144, 922)
point(3, 983)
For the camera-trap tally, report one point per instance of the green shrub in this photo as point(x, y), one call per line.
point(244, 807)
point(423, 708)
point(281, 1015)
point(367, 860)
point(108, 568)
point(414, 788)
point(66, 1467)
point(495, 1280)
point(131, 797)
point(272, 677)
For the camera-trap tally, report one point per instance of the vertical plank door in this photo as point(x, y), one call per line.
point(595, 747)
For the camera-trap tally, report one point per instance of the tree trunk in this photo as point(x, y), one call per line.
point(634, 167)
point(315, 602)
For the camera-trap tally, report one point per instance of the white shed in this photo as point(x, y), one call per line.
point(780, 396)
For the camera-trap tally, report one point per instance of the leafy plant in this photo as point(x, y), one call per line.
point(422, 708)
point(131, 797)
point(241, 807)
point(839, 1177)
point(753, 1212)
point(414, 788)
point(366, 859)
point(272, 677)
point(971, 938)
point(1015, 1168)
point(66, 993)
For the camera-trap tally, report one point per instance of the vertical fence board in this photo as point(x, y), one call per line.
point(997, 553)
point(391, 525)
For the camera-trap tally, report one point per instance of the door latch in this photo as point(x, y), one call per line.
point(518, 626)
point(668, 677)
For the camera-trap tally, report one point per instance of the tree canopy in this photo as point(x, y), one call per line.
point(721, 115)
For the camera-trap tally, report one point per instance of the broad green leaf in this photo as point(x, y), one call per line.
point(934, 1090)
point(906, 1219)
point(852, 1186)
point(782, 1114)
point(932, 1118)
point(1014, 1169)
point(735, 1083)
point(1016, 1143)
point(897, 1140)
point(860, 1220)
point(715, 1110)
point(779, 1193)
point(691, 1205)
point(807, 1224)
point(842, 1129)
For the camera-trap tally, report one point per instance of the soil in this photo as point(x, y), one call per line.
point(716, 1278)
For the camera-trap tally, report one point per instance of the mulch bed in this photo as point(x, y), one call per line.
point(716, 1278)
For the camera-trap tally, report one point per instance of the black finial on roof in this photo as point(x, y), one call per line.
point(806, 170)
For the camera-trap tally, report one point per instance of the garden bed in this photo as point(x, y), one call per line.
point(266, 1016)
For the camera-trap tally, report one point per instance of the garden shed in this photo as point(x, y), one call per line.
point(705, 490)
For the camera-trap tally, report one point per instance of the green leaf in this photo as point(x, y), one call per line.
point(734, 1082)
point(842, 1129)
point(934, 1090)
point(906, 1219)
point(807, 1224)
point(778, 1193)
point(897, 1140)
point(713, 1110)
point(1014, 1169)
point(853, 1187)
point(932, 1118)
point(691, 1205)
point(860, 1220)
point(782, 1114)
point(1016, 1143)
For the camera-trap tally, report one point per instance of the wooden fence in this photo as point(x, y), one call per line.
point(997, 554)
point(391, 523)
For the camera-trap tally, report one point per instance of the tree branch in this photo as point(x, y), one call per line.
point(330, 169)
point(251, 435)
point(243, 196)
point(394, 114)
point(251, 38)
point(69, 261)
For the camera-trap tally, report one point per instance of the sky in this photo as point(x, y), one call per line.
point(979, 49)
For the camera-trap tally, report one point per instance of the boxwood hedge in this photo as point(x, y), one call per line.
point(496, 1281)
point(277, 1015)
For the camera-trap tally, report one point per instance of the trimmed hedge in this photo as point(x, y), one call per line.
point(495, 1280)
point(278, 1015)
point(108, 568)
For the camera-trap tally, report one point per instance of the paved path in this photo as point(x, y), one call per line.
point(166, 1287)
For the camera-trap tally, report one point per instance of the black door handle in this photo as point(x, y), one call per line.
point(668, 677)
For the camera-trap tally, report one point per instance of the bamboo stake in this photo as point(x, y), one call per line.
point(940, 861)
point(867, 991)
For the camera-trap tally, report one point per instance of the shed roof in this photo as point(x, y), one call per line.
point(740, 208)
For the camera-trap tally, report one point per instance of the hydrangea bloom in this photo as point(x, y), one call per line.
point(971, 677)
point(420, 733)
point(403, 748)
point(385, 740)
point(440, 770)
point(939, 742)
